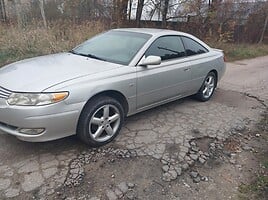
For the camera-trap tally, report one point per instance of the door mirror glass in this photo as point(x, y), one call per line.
point(151, 60)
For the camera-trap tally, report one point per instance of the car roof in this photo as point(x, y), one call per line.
point(161, 32)
point(151, 31)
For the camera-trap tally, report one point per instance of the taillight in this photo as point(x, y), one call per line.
point(224, 58)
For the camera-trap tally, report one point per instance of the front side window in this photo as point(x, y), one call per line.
point(113, 46)
point(192, 47)
point(168, 47)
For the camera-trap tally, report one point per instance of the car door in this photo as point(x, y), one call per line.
point(159, 83)
point(199, 60)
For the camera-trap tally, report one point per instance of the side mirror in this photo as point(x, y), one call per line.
point(151, 60)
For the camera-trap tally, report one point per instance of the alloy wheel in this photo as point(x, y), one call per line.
point(209, 86)
point(104, 123)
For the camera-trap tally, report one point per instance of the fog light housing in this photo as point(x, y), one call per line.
point(31, 131)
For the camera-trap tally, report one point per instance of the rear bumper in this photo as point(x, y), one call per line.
point(222, 72)
point(58, 120)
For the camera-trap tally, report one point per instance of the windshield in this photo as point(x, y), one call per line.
point(114, 46)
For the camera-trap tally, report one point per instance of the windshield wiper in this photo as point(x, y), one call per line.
point(86, 55)
point(173, 51)
point(95, 57)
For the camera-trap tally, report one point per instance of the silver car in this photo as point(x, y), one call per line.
point(91, 89)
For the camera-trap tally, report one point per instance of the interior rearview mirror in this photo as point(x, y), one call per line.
point(151, 60)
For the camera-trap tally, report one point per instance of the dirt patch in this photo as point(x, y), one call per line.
point(235, 99)
point(238, 170)
point(257, 185)
point(108, 173)
point(203, 143)
point(232, 145)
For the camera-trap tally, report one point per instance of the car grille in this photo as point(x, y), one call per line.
point(4, 93)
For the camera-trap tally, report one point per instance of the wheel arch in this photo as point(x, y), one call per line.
point(113, 94)
point(90, 105)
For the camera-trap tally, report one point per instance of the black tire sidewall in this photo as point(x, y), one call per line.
point(90, 108)
point(200, 95)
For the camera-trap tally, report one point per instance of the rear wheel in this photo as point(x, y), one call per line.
point(100, 121)
point(208, 87)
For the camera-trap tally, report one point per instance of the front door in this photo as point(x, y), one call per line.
point(165, 81)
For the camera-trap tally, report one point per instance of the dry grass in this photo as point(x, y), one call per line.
point(18, 43)
point(33, 40)
point(241, 51)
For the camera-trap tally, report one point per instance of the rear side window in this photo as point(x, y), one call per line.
point(168, 47)
point(192, 47)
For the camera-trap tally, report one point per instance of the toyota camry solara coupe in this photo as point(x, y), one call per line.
point(91, 89)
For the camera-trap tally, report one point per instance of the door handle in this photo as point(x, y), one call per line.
point(186, 69)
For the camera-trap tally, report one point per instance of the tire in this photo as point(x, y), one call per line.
point(208, 87)
point(100, 121)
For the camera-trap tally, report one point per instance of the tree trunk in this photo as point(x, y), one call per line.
point(119, 11)
point(16, 4)
point(115, 11)
point(123, 4)
point(3, 15)
point(264, 29)
point(164, 14)
point(41, 5)
point(139, 12)
point(130, 10)
point(1, 10)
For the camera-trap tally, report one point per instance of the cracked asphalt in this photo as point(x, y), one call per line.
point(154, 147)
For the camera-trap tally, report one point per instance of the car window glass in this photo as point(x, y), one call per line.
point(192, 47)
point(114, 46)
point(168, 47)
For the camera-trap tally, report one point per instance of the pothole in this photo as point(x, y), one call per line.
point(111, 173)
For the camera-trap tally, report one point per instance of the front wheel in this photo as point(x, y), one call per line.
point(100, 121)
point(208, 87)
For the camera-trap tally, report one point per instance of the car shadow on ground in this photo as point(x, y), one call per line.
point(12, 149)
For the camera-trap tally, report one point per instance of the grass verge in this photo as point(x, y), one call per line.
point(241, 51)
point(255, 190)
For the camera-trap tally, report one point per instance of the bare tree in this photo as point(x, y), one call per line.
point(3, 15)
point(139, 12)
point(167, 9)
point(129, 9)
point(115, 10)
point(264, 29)
point(119, 13)
point(164, 13)
point(265, 24)
point(123, 5)
point(41, 5)
point(16, 4)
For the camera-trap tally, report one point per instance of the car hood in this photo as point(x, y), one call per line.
point(37, 74)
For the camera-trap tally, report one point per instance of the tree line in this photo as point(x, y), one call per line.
point(228, 20)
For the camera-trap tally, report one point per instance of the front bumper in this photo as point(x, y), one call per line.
point(59, 120)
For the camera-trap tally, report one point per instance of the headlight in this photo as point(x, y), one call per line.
point(36, 99)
